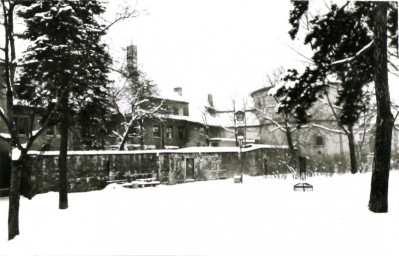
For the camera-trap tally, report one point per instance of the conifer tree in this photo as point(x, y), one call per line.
point(66, 58)
point(349, 41)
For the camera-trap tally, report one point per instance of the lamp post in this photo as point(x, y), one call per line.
point(240, 140)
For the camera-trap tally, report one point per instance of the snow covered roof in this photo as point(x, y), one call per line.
point(261, 89)
point(172, 96)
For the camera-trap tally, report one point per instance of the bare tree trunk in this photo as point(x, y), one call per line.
point(13, 211)
point(382, 152)
point(63, 161)
point(141, 134)
point(123, 143)
point(352, 150)
point(290, 145)
point(162, 137)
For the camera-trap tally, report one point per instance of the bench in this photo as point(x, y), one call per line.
point(117, 181)
point(146, 180)
point(142, 183)
point(149, 184)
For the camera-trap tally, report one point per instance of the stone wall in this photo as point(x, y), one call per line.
point(91, 170)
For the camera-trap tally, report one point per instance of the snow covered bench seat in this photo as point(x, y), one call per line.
point(142, 183)
point(117, 181)
point(149, 183)
point(146, 180)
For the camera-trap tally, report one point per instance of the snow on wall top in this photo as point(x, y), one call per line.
point(162, 151)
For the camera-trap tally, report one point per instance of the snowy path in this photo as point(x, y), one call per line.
point(260, 216)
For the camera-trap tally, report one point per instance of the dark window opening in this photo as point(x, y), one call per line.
point(51, 131)
point(89, 131)
point(319, 141)
point(134, 132)
point(169, 132)
point(21, 124)
point(240, 116)
point(176, 111)
point(156, 131)
point(181, 130)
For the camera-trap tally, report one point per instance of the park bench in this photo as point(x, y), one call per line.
point(117, 181)
point(149, 182)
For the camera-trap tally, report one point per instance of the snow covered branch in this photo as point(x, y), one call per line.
point(362, 51)
point(328, 129)
point(5, 136)
point(275, 123)
point(326, 103)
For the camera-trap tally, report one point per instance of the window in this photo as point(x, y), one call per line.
point(169, 110)
point(175, 111)
point(134, 131)
point(169, 132)
point(156, 131)
point(319, 141)
point(202, 129)
point(240, 116)
point(51, 131)
point(181, 130)
point(21, 124)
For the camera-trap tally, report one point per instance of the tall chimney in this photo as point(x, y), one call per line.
point(178, 90)
point(131, 59)
point(210, 100)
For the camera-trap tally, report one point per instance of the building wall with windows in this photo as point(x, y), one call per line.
point(316, 139)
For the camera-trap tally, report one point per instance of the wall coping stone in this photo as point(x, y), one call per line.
point(162, 151)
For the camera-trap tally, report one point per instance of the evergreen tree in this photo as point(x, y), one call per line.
point(348, 41)
point(66, 58)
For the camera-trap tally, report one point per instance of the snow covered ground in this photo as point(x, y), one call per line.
point(259, 217)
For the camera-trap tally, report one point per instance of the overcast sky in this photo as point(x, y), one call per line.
point(223, 47)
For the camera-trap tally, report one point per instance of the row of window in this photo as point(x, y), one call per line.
point(175, 110)
point(22, 126)
point(181, 131)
